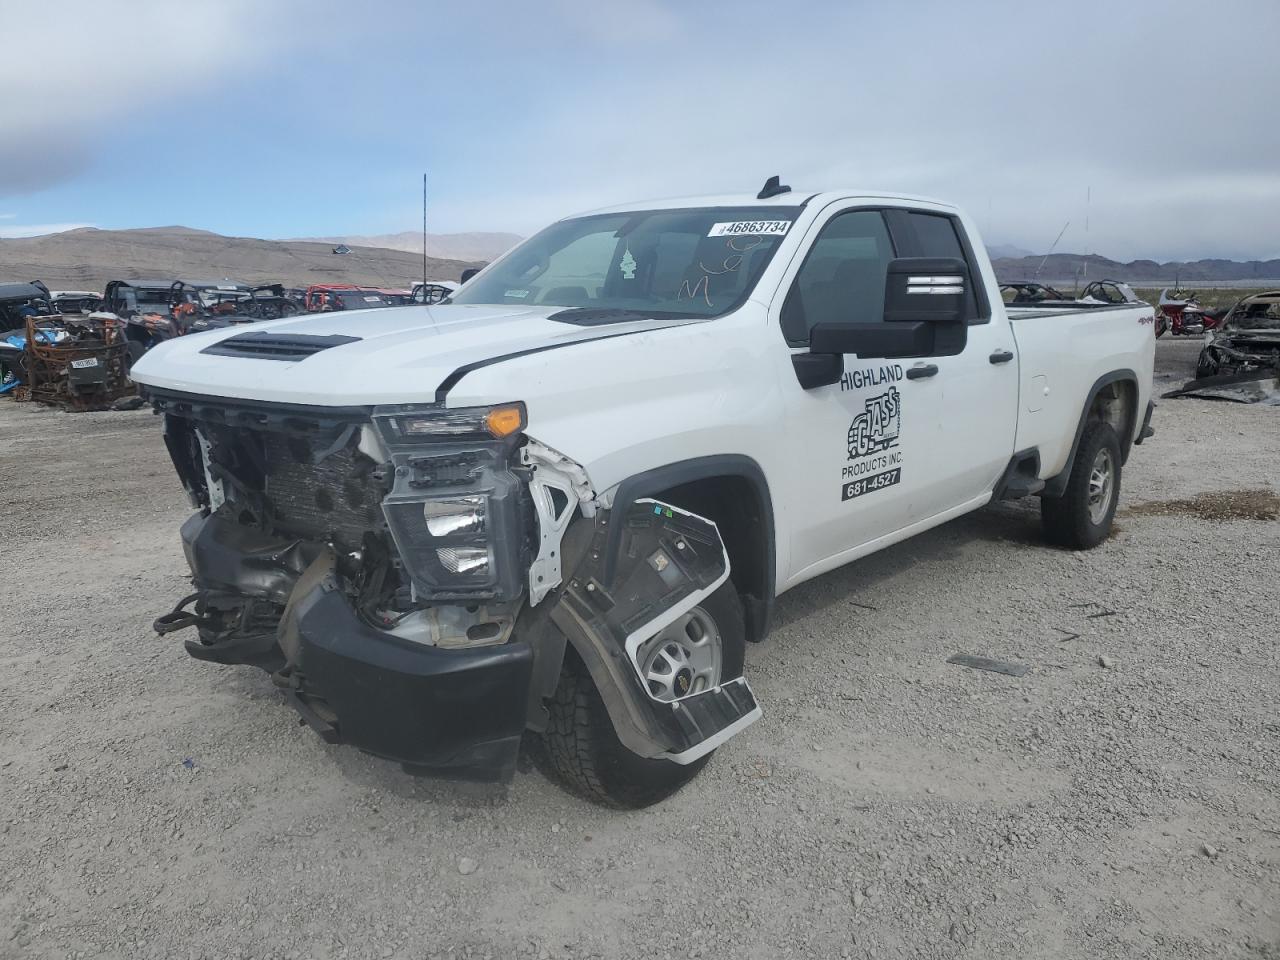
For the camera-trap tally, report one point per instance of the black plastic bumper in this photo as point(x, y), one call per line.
point(447, 712)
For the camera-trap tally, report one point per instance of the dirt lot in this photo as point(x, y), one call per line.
point(1120, 800)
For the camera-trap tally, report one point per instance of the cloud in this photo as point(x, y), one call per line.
point(69, 96)
point(1008, 110)
point(17, 230)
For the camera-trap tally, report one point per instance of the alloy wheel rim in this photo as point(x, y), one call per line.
point(1101, 482)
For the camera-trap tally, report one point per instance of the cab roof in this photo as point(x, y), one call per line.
point(794, 198)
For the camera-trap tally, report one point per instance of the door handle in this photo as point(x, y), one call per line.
point(1001, 356)
point(922, 372)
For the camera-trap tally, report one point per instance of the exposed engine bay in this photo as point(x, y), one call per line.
point(291, 485)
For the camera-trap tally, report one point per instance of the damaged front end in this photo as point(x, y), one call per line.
point(409, 576)
point(371, 559)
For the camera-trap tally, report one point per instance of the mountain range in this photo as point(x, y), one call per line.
point(1072, 267)
point(448, 246)
point(87, 258)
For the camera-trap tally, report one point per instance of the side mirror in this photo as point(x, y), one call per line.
point(925, 290)
point(468, 273)
point(872, 340)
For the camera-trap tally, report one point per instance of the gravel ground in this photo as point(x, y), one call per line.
point(1120, 800)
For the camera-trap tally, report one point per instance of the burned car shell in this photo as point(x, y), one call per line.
point(1249, 338)
point(1241, 360)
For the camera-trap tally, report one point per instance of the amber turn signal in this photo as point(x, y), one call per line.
point(504, 421)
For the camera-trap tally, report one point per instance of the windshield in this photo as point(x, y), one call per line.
point(689, 262)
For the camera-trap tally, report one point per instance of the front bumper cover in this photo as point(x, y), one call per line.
point(447, 712)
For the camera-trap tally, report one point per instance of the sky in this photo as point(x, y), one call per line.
point(1147, 126)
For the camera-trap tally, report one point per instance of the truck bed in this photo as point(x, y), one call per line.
point(1057, 371)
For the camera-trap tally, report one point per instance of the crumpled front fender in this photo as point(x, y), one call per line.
point(664, 563)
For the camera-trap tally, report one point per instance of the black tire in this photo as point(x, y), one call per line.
point(581, 749)
point(1205, 368)
point(1068, 519)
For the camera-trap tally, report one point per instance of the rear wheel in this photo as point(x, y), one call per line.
point(583, 751)
point(1081, 517)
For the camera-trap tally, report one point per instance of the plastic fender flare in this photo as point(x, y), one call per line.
point(651, 483)
point(1056, 484)
point(671, 560)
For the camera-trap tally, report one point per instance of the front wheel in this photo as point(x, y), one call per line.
point(1081, 517)
point(700, 650)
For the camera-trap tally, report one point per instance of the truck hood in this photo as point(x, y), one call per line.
point(402, 354)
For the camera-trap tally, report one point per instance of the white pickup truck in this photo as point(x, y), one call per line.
point(566, 498)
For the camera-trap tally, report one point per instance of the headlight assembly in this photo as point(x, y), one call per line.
point(414, 423)
point(454, 510)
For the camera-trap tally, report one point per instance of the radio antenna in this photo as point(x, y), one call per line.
point(1055, 243)
point(424, 237)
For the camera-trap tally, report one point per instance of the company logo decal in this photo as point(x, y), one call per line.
point(875, 463)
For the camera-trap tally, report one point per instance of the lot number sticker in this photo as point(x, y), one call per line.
point(752, 228)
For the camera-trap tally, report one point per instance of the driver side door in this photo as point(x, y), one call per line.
point(869, 450)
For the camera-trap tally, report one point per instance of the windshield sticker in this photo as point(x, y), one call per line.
point(627, 265)
point(516, 294)
point(872, 441)
point(770, 228)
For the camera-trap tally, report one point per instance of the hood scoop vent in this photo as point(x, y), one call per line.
point(261, 345)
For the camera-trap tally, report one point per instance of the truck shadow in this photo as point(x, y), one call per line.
point(1014, 522)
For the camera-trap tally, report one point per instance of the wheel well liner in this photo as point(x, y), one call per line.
point(1126, 378)
point(731, 490)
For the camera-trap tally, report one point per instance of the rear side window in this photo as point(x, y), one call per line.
point(842, 277)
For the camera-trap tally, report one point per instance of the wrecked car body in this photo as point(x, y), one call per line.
point(1241, 360)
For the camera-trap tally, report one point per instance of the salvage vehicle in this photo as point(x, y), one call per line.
point(433, 291)
point(74, 301)
point(1181, 314)
point(322, 298)
point(72, 361)
point(566, 500)
point(149, 309)
point(264, 302)
point(1110, 292)
point(18, 302)
point(1241, 360)
point(1022, 292)
point(21, 300)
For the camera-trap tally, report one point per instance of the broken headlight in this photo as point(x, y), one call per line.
point(416, 423)
point(454, 509)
